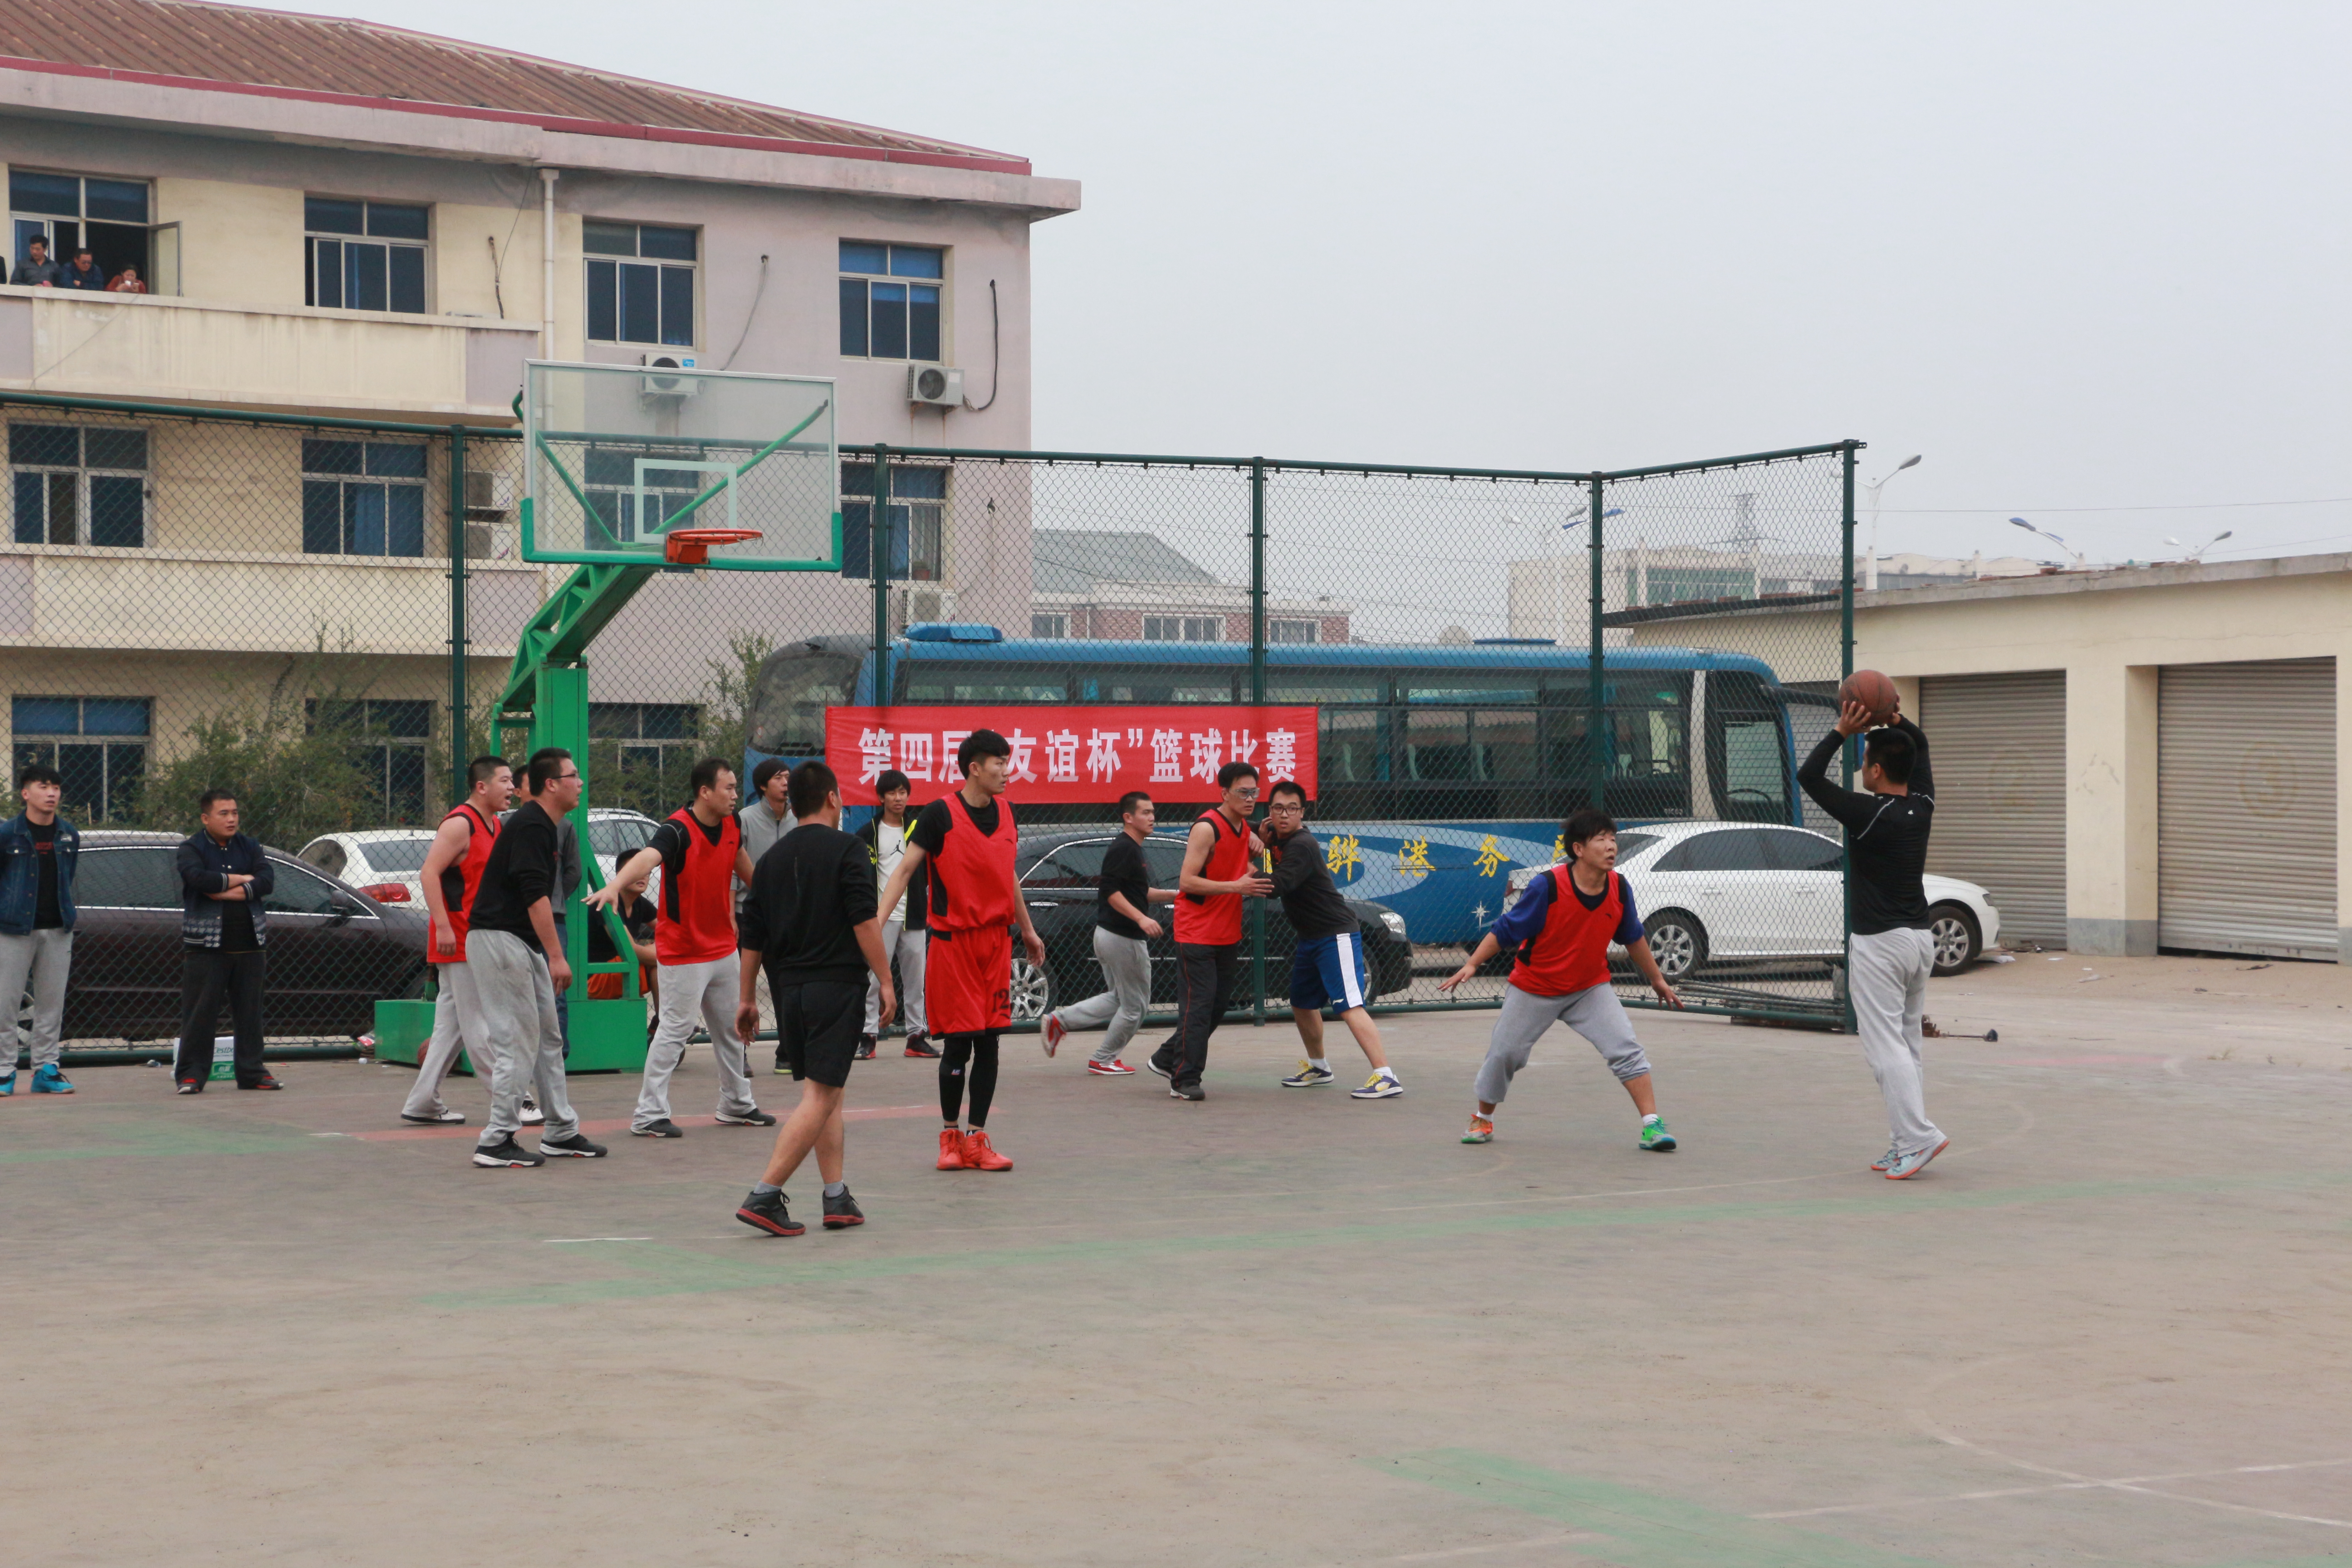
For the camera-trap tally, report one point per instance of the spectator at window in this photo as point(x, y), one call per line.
point(83, 274)
point(37, 271)
point(127, 281)
point(224, 878)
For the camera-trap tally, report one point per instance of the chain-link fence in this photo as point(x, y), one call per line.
point(272, 604)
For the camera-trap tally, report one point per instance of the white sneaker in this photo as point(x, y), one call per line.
point(1311, 1074)
point(440, 1114)
point(1053, 1033)
point(532, 1116)
point(1903, 1167)
point(1381, 1085)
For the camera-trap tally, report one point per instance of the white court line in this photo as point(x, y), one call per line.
point(1451, 1553)
point(2127, 1483)
point(568, 1240)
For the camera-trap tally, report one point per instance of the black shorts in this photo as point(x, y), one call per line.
point(817, 1026)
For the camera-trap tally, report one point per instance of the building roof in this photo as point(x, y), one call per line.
point(334, 59)
point(1082, 561)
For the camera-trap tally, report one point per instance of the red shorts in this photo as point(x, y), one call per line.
point(968, 981)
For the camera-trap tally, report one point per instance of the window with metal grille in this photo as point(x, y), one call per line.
point(1183, 628)
point(364, 256)
point(1293, 631)
point(97, 745)
point(1049, 626)
point(640, 283)
point(362, 497)
point(77, 484)
point(68, 212)
point(389, 737)
point(641, 755)
point(890, 300)
point(919, 496)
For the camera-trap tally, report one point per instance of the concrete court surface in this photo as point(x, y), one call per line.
point(1282, 1326)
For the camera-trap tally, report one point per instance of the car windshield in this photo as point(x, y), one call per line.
point(618, 835)
point(1632, 844)
point(393, 855)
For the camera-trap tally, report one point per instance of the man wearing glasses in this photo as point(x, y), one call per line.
point(519, 965)
point(1329, 969)
point(1216, 878)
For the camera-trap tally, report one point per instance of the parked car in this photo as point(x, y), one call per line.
point(333, 952)
point(1058, 871)
point(1712, 892)
point(387, 864)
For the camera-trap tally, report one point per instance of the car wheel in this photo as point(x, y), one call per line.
point(1032, 991)
point(1677, 941)
point(1958, 940)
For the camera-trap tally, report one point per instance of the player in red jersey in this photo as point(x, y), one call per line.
point(1562, 926)
point(966, 843)
point(1216, 878)
point(452, 870)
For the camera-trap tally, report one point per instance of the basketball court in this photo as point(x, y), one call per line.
point(1278, 1328)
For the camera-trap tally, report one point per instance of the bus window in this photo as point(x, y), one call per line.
point(1001, 683)
point(1465, 686)
point(1320, 687)
point(795, 686)
point(1437, 745)
point(1172, 683)
point(1349, 748)
point(1504, 739)
point(1746, 749)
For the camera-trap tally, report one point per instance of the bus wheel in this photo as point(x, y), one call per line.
point(1032, 991)
point(1677, 941)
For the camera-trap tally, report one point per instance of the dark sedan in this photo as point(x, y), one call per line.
point(333, 951)
point(1058, 873)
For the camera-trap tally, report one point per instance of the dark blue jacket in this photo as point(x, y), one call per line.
point(204, 868)
point(20, 874)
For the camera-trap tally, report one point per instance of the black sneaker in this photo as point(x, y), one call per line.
point(865, 1047)
point(784, 1067)
point(1188, 1089)
point(665, 1128)
point(766, 1212)
point(843, 1212)
point(755, 1117)
point(577, 1146)
point(505, 1151)
point(920, 1046)
point(1163, 1062)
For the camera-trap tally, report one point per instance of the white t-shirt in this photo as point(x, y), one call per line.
point(890, 848)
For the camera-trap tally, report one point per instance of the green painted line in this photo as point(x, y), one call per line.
point(1632, 1528)
point(170, 1143)
point(677, 1271)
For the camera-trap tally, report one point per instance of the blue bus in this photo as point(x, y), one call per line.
point(1442, 768)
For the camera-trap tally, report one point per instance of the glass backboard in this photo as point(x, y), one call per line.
point(618, 457)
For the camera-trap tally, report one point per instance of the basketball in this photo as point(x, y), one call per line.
point(1872, 690)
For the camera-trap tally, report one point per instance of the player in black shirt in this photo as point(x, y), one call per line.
point(1891, 951)
point(1329, 969)
point(1123, 926)
point(811, 921)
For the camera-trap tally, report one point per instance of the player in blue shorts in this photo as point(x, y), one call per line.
point(1329, 970)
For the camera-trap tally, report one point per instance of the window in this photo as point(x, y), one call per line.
point(1683, 584)
point(388, 740)
point(641, 754)
point(610, 473)
point(297, 890)
point(1293, 631)
point(77, 484)
point(884, 312)
point(1792, 849)
point(364, 256)
point(72, 210)
point(362, 497)
point(640, 284)
point(1072, 866)
point(126, 879)
point(1049, 626)
point(1183, 628)
point(1729, 849)
point(918, 496)
point(97, 745)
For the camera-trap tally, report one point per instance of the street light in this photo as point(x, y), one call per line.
point(2197, 555)
point(2052, 538)
point(1551, 555)
point(1870, 567)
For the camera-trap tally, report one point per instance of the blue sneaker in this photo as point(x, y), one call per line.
point(1655, 1136)
point(50, 1080)
point(7, 1085)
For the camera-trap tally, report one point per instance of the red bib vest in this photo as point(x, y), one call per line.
point(696, 921)
point(1571, 952)
point(1215, 918)
point(973, 882)
point(459, 879)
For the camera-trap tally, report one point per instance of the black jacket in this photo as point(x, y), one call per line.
point(204, 867)
point(919, 889)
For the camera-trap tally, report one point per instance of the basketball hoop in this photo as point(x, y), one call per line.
point(691, 546)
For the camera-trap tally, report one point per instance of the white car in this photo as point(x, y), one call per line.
point(1747, 891)
point(387, 864)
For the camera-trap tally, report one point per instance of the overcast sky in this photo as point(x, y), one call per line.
point(2091, 260)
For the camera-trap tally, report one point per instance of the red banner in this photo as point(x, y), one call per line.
point(1073, 754)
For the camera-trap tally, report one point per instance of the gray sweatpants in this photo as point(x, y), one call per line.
point(41, 958)
point(525, 1038)
point(457, 1024)
point(689, 990)
point(911, 947)
point(1889, 986)
point(1126, 964)
point(1596, 1014)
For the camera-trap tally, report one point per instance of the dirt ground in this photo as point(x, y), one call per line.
point(2113, 1325)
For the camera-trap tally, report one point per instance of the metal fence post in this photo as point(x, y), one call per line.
point(1599, 747)
point(878, 546)
point(1257, 695)
point(458, 638)
point(1845, 668)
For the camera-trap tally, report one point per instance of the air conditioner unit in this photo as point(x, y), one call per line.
point(493, 541)
point(935, 384)
point(913, 606)
point(670, 385)
point(487, 490)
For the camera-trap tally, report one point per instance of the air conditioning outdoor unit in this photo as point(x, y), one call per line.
point(670, 385)
point(935, 384)
point(493, 541)
point(913, 606)
point(487, 490)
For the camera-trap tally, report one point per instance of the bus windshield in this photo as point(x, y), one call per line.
point(795, 686)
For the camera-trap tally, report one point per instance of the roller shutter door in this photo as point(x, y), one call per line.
point(1998, 745)
point(2246, 798)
